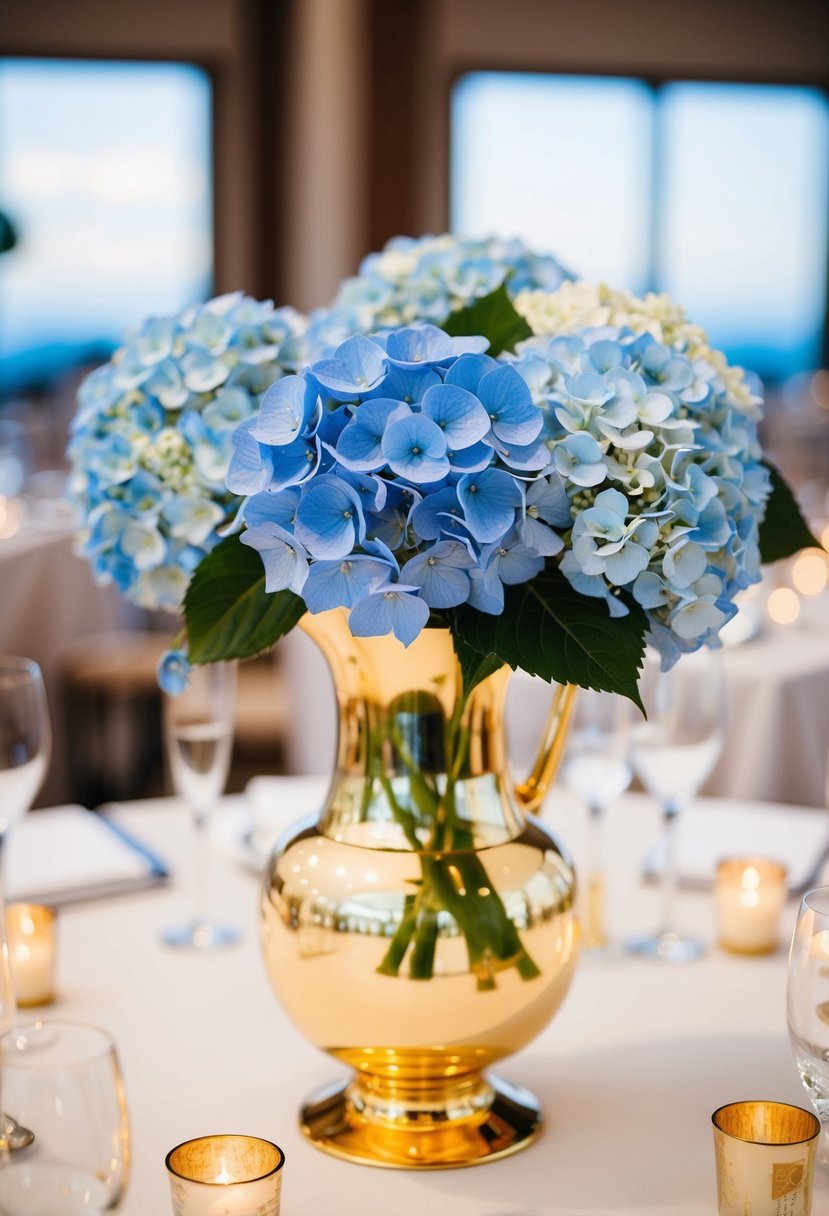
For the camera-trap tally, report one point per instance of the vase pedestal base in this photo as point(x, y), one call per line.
point(437, 1127)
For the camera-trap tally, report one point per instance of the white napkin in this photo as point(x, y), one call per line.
point(66, 854)
point(715, 828)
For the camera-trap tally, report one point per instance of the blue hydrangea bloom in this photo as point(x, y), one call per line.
point(173, 672)
point(428, 278)
point(156, 431)
point(656, 446)
point(411, 505)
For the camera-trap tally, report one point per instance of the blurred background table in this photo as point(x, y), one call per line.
point(628, 1073)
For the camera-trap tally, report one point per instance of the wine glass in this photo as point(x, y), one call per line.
point(597, 771)
point(807, 1001)
point(672, 752)
point(198, 736)
point(62, 1081)
point(25, 745)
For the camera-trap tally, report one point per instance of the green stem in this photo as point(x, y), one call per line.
point(454, 879)
point(422, 961)
point(405, 818)
point(399, 943)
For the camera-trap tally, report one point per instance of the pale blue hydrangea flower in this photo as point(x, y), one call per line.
point(424, 280)
point(657, 449)
point(153, 437)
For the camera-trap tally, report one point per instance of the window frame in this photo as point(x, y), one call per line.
point(655, 83)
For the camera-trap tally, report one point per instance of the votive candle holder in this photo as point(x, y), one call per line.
point(30, 930)
point(225, 1175)
point(750, 893)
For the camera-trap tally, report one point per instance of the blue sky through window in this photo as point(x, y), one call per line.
point(716, 193)
point(105, 171)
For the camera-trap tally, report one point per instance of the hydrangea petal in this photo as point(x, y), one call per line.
point(335, 584)
point(415, 448)
point(285, 411)
point(284, 558)
point(329, 519)
point(394, 608)
point(489, 501)
point(514, 415)
point(458, 413)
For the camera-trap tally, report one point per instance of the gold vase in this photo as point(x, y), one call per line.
point(424, 927)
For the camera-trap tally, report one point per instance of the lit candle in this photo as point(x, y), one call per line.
point(750, 894)
point(31, 937)
point(226, 1176)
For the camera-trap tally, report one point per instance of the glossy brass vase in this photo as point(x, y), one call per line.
point(424, 927)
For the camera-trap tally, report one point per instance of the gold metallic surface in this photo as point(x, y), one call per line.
point(765, 1157)
point(423, 929)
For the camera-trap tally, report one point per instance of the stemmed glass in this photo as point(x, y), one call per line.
point(672, 752)
point(597, 771)
point(808, 1003)
point(63, 1082)
point(25, 746)
point(198, 735)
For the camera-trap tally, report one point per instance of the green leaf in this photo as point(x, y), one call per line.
point(229, 614)
point(475, 666)
point(493, 316)
point(550, 630)
point(783, 531)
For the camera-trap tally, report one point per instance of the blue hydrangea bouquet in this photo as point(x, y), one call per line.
point(466, 437)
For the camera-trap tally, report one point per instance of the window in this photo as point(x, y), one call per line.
point(105, 174)
point(716, 193)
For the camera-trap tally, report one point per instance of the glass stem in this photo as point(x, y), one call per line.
point(670, 875)
point(201, 869)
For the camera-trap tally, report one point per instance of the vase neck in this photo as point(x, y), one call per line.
point(418, 765)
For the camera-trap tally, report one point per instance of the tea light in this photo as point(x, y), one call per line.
point(750, 893)
point(31, 936)
point(225, 1176)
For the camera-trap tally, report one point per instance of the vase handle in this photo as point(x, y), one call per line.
point(532, 792)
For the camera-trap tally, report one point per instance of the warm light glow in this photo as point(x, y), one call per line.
point(783, 606)
point(750, 879)
point(750, 899)
point(11, 516)
point(224, 1175)
point(810, 572)
point(819, 388)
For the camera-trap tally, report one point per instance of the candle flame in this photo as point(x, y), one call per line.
point(750, 879)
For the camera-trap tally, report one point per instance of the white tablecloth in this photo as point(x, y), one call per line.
point(629, 1072)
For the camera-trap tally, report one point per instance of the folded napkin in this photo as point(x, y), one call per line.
point(67, 854)
point(715, 828)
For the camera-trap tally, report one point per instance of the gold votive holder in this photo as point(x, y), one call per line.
point(225, 1176)
point(765, 1157)
point(30, 930)
point(749, 893)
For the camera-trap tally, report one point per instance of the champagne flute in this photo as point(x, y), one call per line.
point(25, 746)
point(672, 753)
point(807, 1000)
point(198, 735)
point(597, 771)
